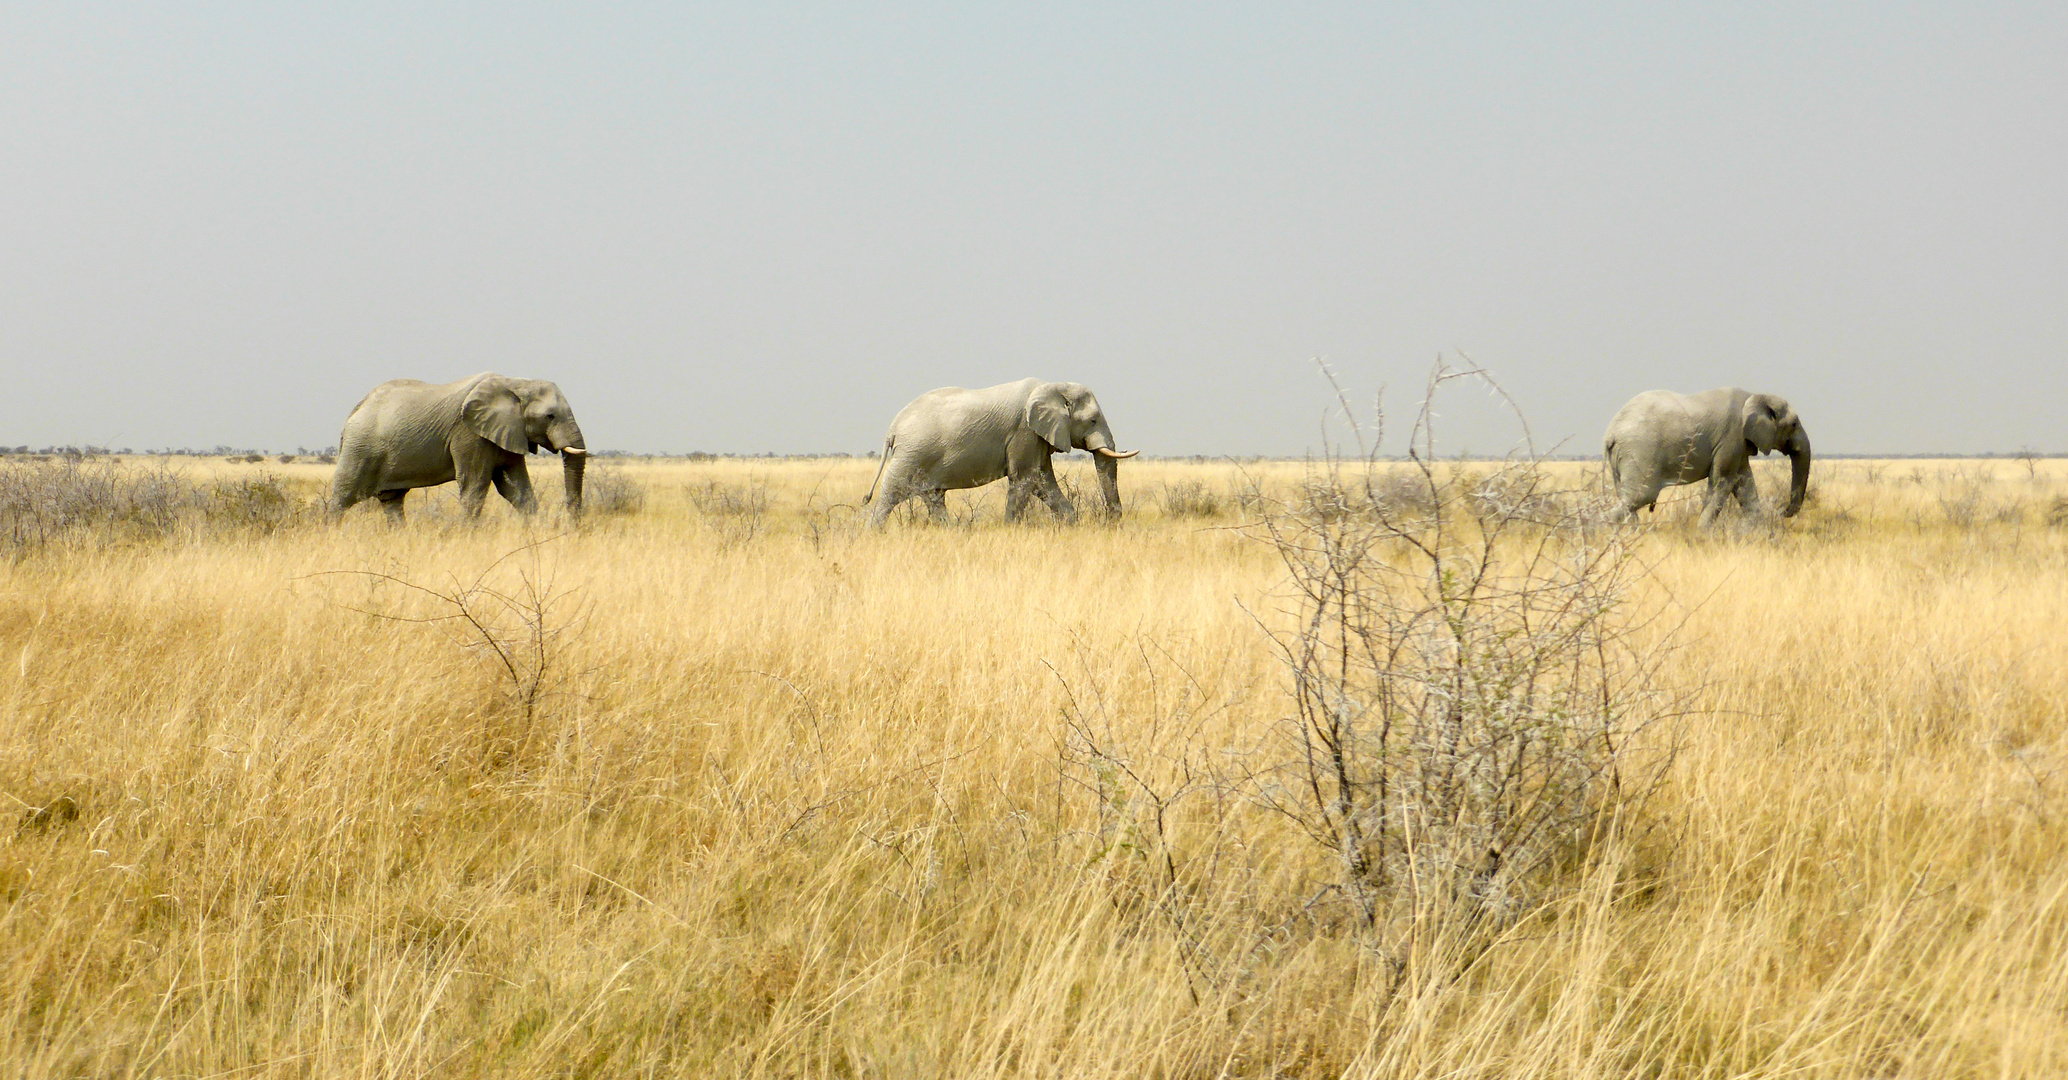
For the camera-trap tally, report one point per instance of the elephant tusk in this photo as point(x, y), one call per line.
point(575, 450)
point(1111, 453)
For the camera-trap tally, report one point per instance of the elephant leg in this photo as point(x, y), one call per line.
point(1052, 493)
point(1015, 497)
point(1634, 488)
point(1059, 504)
point(1713, 500)
point(473, 492)
point(936, 504)
point(514, 485)
point(1623, 508)
point(350, 484)
point(1748, 494)
point(391, 501)
point(886, 501)
point(894, 490)
point(1629, 504)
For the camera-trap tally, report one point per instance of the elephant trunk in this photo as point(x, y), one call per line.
point(574, 457)
point(1099, 440)
point(1109, 482)
point(1798, 450)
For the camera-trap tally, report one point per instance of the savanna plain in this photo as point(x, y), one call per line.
point(717, 782)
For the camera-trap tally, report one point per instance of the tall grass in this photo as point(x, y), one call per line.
point(807, 799)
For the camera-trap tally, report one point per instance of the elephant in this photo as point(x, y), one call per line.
point(409, 434)
point(953, 438)
point(1662, 438)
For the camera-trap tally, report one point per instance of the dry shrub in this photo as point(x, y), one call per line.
point(715, 498)
point(1470, 718)
point(1246, 491)
point(45, 502)
point(261, 503)
point(736, 511)
point(1466, 695)
point(608, 492)
point(512, 617)
point(1190, 498)
point(1963, 497)
point(1163, 830)
point(1523, 495)
point(1381, 494)
point(1073, 490)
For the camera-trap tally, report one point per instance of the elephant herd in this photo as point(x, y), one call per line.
point(408, 434)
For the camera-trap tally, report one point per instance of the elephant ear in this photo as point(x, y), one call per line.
point(1761, 424)
point(1048, 414)
point(493, 412)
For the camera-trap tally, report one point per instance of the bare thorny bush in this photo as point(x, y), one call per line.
point(48, 502)
point(1161, 802)
point(1469, 704)
point(1470, 714)
point(1190, 498)
point(736, 512)
point(511, 615)
point(608, 492)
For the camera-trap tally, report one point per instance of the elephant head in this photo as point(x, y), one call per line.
point(1067, 417)
point(521, 415)
point(1770, 424)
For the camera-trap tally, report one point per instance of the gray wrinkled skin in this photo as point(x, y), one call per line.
point(408, 434)
point(952, 438)
point(1661, 439)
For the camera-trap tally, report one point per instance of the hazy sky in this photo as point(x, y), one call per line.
point(749, 227)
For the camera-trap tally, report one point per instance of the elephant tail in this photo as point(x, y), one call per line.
point(888, 440)
point(1608, 458)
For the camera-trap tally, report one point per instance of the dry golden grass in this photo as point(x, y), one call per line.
point(789, 800)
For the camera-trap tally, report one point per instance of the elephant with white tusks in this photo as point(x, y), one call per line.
point(1662, 438)
point(954, 438)
point(409, 434)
